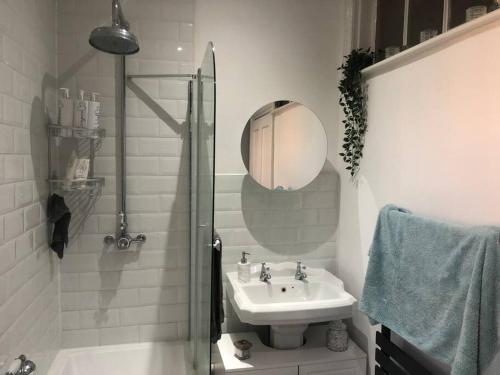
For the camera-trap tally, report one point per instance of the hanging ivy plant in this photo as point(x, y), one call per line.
point(353, 103)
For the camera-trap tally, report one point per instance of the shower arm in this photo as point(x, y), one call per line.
point(118, 17)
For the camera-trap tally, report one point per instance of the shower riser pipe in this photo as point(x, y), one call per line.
point(123, 147)
point(123, 240)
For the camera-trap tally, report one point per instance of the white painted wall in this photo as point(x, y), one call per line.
point(29, 271)
point(269, 50)
point(432, 147)
point(266, 51)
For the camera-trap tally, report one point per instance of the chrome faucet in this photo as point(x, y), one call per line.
point(265, 273)
point(299, 275)
point(21, 366)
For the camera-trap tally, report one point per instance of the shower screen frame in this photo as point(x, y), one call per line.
point(201, 122)
point(202, 185)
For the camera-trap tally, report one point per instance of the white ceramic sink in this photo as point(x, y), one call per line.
point(287, 304)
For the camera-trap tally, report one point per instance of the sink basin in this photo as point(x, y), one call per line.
point(286, 304)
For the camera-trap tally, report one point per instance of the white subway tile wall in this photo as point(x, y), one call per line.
point(276, 226)
point(112, 297)
point(29, 271)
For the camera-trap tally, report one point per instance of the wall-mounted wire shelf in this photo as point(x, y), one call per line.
point(63, 185)
point(80, 195)
point(72, 132)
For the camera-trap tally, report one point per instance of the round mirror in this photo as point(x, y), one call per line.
point(284, 146)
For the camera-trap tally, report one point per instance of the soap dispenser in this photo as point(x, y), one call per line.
point(65, 108)
point(244, 268)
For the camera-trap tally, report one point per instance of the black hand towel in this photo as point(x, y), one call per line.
point(217, 309)
point(59, 215)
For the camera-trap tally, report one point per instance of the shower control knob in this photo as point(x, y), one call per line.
point(140, 238)
point(123, 242)
point(109, 240)
point(21, 366)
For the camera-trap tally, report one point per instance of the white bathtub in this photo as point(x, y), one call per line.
point(135, 359)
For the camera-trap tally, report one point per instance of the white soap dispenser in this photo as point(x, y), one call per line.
point(65, 108)
point(94, 111)
point(244, 268)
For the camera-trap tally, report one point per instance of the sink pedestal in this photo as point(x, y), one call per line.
point(288, 336)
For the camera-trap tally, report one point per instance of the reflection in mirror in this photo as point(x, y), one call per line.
point(284, 146)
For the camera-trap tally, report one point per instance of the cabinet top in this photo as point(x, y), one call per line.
point(264, 357)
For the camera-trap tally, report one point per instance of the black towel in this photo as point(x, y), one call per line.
point(59, 215)
point(217, 309)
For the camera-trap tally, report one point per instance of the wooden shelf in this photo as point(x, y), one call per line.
point(434, 45)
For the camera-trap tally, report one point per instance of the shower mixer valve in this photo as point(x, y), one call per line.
point(124, 240)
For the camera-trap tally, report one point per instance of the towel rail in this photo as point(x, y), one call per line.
point(392, 360)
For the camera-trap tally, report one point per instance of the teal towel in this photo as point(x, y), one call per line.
point(437, 286)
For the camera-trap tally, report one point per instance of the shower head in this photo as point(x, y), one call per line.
point(117, 38)
point(114, 40)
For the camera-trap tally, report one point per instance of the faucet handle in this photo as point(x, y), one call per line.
point(21, 366)
point(299, 275)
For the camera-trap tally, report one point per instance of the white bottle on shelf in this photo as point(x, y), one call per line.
point(70, 171)
point(244, 268)
point(65, 104)
point(94, 111)
point(82, 169)
point(81, 113)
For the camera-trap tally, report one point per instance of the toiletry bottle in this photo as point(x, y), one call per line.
point(94, 111)
point(70, 170)
point(82, 169)
point(244, 268)
point(65, 115)
point(81, 111)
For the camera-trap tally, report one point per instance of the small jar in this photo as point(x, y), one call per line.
point(391, 51)
point(474, 12)
point(242, 349)
point(427, 34)
point(337, 339)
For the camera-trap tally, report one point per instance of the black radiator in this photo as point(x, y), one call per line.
point(392, 360)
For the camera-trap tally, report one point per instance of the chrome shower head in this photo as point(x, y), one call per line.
point(115, 39)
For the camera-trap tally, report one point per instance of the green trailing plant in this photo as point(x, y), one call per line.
point(353, 102)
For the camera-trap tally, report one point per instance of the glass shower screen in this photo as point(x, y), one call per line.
point(202, 210)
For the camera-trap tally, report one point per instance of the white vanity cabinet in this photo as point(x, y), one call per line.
point(274, 371)
point(357, 367)
point(311, 359)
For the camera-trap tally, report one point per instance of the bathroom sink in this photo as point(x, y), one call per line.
point(288, 304)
